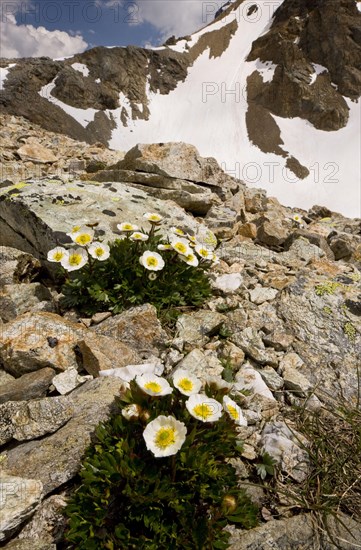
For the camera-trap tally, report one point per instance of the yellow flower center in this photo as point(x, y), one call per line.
point(84, 238)
point(127, 227)
point(153, 387)
point(58, 256)
point(233, 412)
point(152, 262)
point(180, 247)
point(203, 411)
point(75, 229)
point(185, 384)
point(165, 437)
point(99, 252)
point(203, 252)
point(75, 259)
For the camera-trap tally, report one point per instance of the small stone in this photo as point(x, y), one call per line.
point(138, 327)
point(279, 340)
point(67, 381)
point(5, 378)
point(250, 341)
point(19, 498)
point(296, 381)
point(283, 446)
point(228, 283)
point(16, 299)
point(249, 378)
point(100, 317)
point(233, 353)
point(201, 365)
point(272, 379)
point(17, 266)
point(248, 230)
point(29, 386)
point(103, 353)
point(196, 328)
point(248, 452)
point(36, 153)
point(260, 294)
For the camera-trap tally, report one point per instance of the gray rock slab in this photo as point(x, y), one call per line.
point(54, 460)
point(29, 386)
point(25, 420)
point(19, 498)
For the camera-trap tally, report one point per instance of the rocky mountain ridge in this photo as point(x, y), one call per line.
point(261, 76)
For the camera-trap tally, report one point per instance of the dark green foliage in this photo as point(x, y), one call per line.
point(121, 282)
point(129, 499)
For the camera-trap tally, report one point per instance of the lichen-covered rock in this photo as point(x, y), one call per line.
point(201, 365)
point(16, 299)
point(24, 420)
point(103, 353)
point(138, 327)
point(196, 328)
point(16, 266)
point(36, 341)
point(28, 386)
point(48, 523)
point(37, 217)
point(321, 313)
point(54, 460)
point(19, 498)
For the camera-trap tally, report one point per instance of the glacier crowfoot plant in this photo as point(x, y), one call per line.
point(159, 476)
point(118, 275)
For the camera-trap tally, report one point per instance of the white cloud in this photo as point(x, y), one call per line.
point(29, 41)
point(178, 17)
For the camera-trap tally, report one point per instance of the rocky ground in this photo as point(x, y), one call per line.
point(285, 317)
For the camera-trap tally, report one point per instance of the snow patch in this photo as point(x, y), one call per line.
point(266, 70)
point(81, 68)
point(98, 81)
point(83, 116)
point(4, 74)
point(358, 4)
point(318, 69)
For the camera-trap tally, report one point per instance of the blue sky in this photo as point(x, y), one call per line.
point(57, 28)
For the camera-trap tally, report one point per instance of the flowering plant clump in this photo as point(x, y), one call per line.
point(140, 266)
point(159, 474)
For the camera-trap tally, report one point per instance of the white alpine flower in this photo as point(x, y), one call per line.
point(57, 254)
point(204, 252)
point(153, 384)
point(178, 231)
point(151, 260)
point(191, 259)
point(181, 246)
point(164, 247)
point(126, 227)
point(137, 236)
point(99, 251)
point(164, 436)
point(76, 259)
point(234, 411)
point(131, 412)
point(152, 217)
point(204, 408)
point(75, 229)
point(152, 276)
point(297, 218)
point(186, 383)
point(83, 237)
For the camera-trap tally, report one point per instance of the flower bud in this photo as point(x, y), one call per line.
point(229, 504)
point(145, 416)
point(131, 412)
